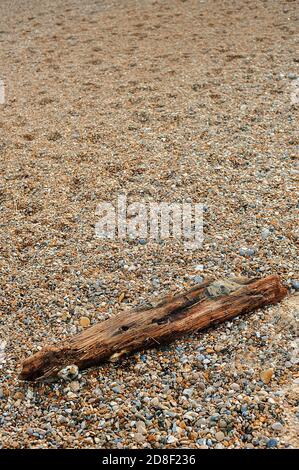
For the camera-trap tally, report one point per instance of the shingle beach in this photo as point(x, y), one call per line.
point(162, 101)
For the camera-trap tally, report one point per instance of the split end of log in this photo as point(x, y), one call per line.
point(202, 306)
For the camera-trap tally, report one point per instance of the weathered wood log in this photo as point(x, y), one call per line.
point(204, 305)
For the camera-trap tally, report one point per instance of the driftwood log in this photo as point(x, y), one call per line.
point(204, 305)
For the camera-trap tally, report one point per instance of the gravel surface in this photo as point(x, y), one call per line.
point(164, 101)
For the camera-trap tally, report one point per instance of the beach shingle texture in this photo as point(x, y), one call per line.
point(163, 101)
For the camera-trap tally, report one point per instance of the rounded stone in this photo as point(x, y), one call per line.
point(277, 426)
point(84, 322)
point(271, 443)
point(220, 436)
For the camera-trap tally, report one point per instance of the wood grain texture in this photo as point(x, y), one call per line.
point(204, 305)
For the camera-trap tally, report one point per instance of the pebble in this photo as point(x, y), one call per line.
point(156, 402)
point(292, 76)
point(219, 446)
point(171, 440)
point(235, 387)
point(247, 251)
point(190, 416)
point(139, 437)
point(156, 282)
point(277, 427)
point(265, 233)
point(222, 423)
point(201, 385)
point(220, 436)
point(188, 392)
point(266, 375)
point(69, 372)
point(75, 386)
point(201, 421)
point(215, 417)
point(141, 428)
point(249, 446)
point(84, 322)
point(271, 443)
point(199, 267)
point(295, 284)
